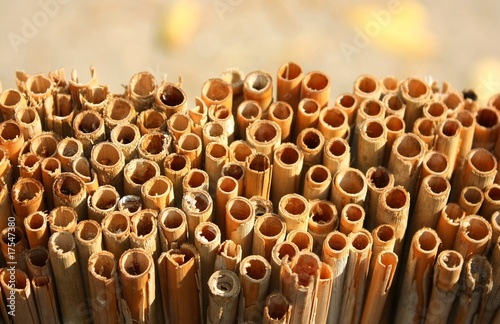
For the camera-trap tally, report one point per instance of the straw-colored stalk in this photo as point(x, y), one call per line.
point(228, 256)
point(172, 225)
point(108, 161)
point(448, 142)
point(349, 104)
point(368, 108)
point(195, 179)
point(281, 254)
point(261, 205)
point(214, 132)
point(27, 197)
point(473, 236)
point(157, 193)
point(10, 101)
point(141, 89)
point(415, 94)
point(224, 290)
point(240, 219)
point(81, 168)
point(154, 146)
point(317, 183)
point(258, 174)
point(383, 241)
point(258, 86)
point(137, 270)
point(11, 139)
point(247, 112)
point(237, 172)
point(5, 205)
point(264, 136)
point(68, 150)
point(302, 239)
point(352, 217)
point(371, 144)
point(395, 126)
point(480, 169)
point(447, 227)
point(216, 92)
point(95, 98)
point(191, 146)
point(282, 114)
point(435, 163)
point(471, 199)
point(119, 111)
point(216, 156)
point(307, 115)
point(150, 121)
point(176, 167)
point(436, 111)
point(287, 167)
point(495, 226)
point(69, 190)
point(115, 233)
point(323, 219)
point(75, 86)
point(378, 179)
point(490, 305)
point(445, 281)
point(6, 170)
point(486, 128)
point(414, 294)
point(136, 173)
point(19, 296)
point(294, 209)
point(366, 87)
point(311, 142)
point(316, 85)
point(170, 98)
point(67, 274)
point(255, 276)
point(288, 83)
point(198, 116)
point(222, 114)
point(349, 186)
point(129, 205)
point(234, 77)
point(393, 209)
point(269, 230)
point(37, 229)
point(29, 121)
point(102, 202)
point(491, 202)
point(227, 188)
point(388, 85)
point(466, 119)
point(336, 155)
point(277, 309)
point(30, 166)
point(333, 122)
point(59, 114)
point(14, 246)
point(198, 205)
point(62, 219)
point(88, 128)
point(126, 138)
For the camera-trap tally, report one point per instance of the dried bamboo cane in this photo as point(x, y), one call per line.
point(323, 219)
point(248, 112)
point(141, 89)
point(59, 114)
point(95, 98)
point(45, 297)
point(479, 170)
point(191, 146)
point(414, 294)
point(277, 309)
point(371, 144)
point(222, 114)
point(62, 219)
point(264, 136)
point(198, 116)
point(317, 183)
point(176, 167)
point(104, 285)
point(255, 275)
point(10, 101)
point(195, 179)
point(426, 129)
point(379, 179)
point(11, 139)
point(137, 270)
point(415, 94)
point(151, 120)
point(473, 236)
point(170, 98)
point(240, 219)
point(67, 274)
point(393, 209)
point(68, 150)
point(115, 233)
point(258, 174)
point(227, 188)
point(216, 92)
point(445, 286)
point(307, 115)
point(323, 293)
point(367, 87)
point(269, 230)
point(238, 173)
point(157, 193)
point(311, 142)
point(69, 190)
point(129, 205)
point(224, 289)
point(448, 223)
point(332, 122)
point(302, 239)
point(18, 295)
point(368, 108)
point(154, 146)
point(491, 202)
point(27, 197)
point(336, 155)
point(471, 199)
point(228, 256)
point(172, 225)
point(287, 166)
point(475, 284)
point(466, 119)
point(351, 218)
point(88, 128)
point(395, 126)
point(448, 142)
point(102, 202)
point(282, 114)
point(216, 156)
point(436, 111)
point(136, 173)
point(179, 124)
point(388, 85)
point(435, 163)
point(289, 80)
point(384, 271)
point(349, 103)
point(432, 197)
point(405, 161)
point(281, 254)
point(181, 268)
point(81, 167)
point(198, 205)
point(13, 244)
point(29, 166)
point(118, 111)
point(316, 85)
point(258, 86)
point(486, 129)
point(126, 138)
point(38, 263)
point(234, 77)
point(294, 209)
point(144, 232)
point(207, 238)
point(37, 229)
point(43, 144)
point(108, 161)
point(29, 121)
point(349, 186)
point(383, 241)
point(38, 88)
point(299, 280)
point(261, 205)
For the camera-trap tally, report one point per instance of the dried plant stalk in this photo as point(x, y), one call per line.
point(316, 85)
point(473, 236)
point(447, 227)
point(323, 219)
point(198, 205)
point(289, 80)
point(336, 155)
point(351, 218)
point(269, 230)
point(172, 224)
point(224, 289)
point(115, 233)
point(176, 167)
point(141, 89)
point(37, 229)
point(371, 144)
point(282, 114)
point(19, 290)
point(258, 173)
point(69, 190)
point(170, 98)
point(264, 136)
point(348, 186)
point(258, 86)
point(277, 309)
point(63, 218)
point(126, 138)
point(287, 167)
point(228, 256)
point(136, 173)
point(379, 179)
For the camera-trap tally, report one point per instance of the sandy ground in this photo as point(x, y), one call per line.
point(198, 39)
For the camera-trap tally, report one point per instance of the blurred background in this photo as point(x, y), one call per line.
point(455, 41)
